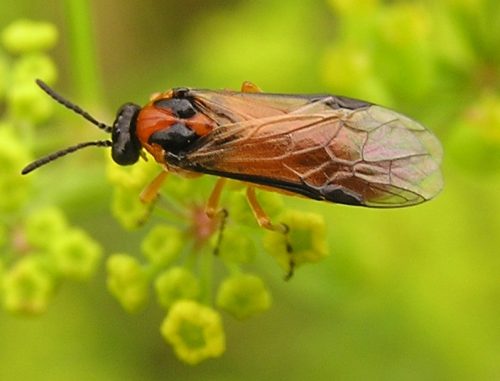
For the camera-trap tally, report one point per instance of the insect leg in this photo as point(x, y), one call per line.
point(149, 196)
point(150, 193)
point(212, 210)
point(249, 87)
point(265, 222)
point(260, 215)
point(213, 201)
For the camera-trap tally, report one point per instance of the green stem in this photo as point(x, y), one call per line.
point(83, 56)
point(206, 275)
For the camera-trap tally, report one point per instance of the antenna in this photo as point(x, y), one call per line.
point(56, 155)
point(59, 98)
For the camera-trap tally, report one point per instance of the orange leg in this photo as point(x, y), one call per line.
point(249, 87)
point(260, 215)
point(265, 222)
point(212, 208)
point(150, 193)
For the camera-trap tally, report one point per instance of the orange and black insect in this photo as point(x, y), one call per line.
point(323, 147)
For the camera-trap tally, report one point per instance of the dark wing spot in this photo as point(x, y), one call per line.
point(341, 195)
point(181, 92)
point(336, 102)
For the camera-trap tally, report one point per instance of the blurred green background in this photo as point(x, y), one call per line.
point(406, 294)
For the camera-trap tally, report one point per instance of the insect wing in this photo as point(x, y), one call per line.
point(233, 107)
point(369, 155)
point(401, 159)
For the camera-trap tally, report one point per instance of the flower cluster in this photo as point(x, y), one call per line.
point(44, 250)
point(179, 261)
point(41, 250)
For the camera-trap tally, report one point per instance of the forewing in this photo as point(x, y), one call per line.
point(233, 106)
point(368, 156)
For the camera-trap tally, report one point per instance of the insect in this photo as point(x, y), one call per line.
point(322, 147)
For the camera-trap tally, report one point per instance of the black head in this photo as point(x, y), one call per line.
point(125, 147)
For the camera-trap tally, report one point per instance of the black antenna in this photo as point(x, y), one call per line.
point(72, 106)
point(56, 155)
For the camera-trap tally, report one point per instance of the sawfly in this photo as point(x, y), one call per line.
point(319, 146)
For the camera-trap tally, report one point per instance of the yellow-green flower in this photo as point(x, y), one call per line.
point(128, 281)
point(27, 287)
point(194, 331)
point(128, 208)
point(44, 226)
point(237, 245)
point(76, 255)
point(13, 156)
point(32, 66)
point(306, 238)
point(175, 284)
point(162, 245)
point(128, 183)
point(25, 36)
point(27, 103)
point(243, 295)
point(132, 177)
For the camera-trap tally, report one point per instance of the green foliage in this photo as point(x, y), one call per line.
point(475, 143)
